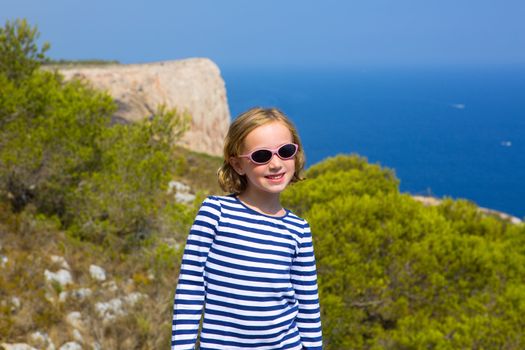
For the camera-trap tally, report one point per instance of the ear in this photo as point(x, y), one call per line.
point(237, 165)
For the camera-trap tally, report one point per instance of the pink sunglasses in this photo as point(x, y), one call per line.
point(264, 155)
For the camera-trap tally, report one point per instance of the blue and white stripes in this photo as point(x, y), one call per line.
point(255, 276)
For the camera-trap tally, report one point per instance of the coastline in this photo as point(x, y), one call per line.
point(433, 201)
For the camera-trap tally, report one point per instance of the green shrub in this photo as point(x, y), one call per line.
point(48, 128)
point(59, 153)
point(339, 176)
point(394, 274)
point(19, 53)
point(125, 195)
point(48, 138)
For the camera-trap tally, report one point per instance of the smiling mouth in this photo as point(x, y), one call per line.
point(275, 177)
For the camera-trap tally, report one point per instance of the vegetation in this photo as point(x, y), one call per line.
point(75, 63)
point(393, 274)
point(59, 153)
point(20, 55)
point(76, 185)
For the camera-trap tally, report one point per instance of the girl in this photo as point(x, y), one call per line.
point(249, 261)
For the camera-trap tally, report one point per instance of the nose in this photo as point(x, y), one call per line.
point(275, 162)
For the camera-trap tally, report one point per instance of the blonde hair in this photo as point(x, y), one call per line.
point(229, 180)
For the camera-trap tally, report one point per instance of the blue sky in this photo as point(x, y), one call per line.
point(282, 32)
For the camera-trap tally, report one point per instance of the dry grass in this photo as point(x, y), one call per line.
point(29, 243)
point(28, 240)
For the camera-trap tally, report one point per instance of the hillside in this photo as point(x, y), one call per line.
point(94, 215)
point(59, 292)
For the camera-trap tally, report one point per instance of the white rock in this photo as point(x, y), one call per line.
point(133, 298)
point(81, 294)
point(62, 297)
point(15, 302)
point(110, 310)
point(56, 259)
point(42, 341)
point(97, 273)
point(49, 296)
point(74, 319)
point(39, 337)
point(71, 346)
point(63, 277)
point(78, 337)
point(184, 197)
point(17, 346)
point(182, 192)
point(111, 286)
point(3, 261)
point(177, 186)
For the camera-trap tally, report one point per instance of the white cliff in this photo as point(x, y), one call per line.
point(191, 85)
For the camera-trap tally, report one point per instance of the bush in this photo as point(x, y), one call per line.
point(339, 176)
point(124, 197)
point(59, 152)
point(394, 274)
point(48, 138)
point(20, 56)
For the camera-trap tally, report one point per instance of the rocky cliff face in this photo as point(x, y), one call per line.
point(192, 85)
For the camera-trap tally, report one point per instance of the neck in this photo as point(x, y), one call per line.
point(266, 203)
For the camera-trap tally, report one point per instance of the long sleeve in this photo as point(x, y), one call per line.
point(304, 281)
point(190, 292)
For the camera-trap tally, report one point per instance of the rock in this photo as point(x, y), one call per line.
point(15, 303)
point(151, 275)
point(182, 192)
point(171, 242)
point(178, 187)
point(97, 273)
point(133, 298)
point(62, 277)
point(42, 341)
point(184, 197)
point(3, 261)
point(74, 319)
point(62, 297)
point(17, 346)
point(193, 85)
point(110, 310)
point(79, 294)
point(78, 337)
point(50, 296)
point(111, 286)
point(56, 259)
point(71, 346)
point(114, 308)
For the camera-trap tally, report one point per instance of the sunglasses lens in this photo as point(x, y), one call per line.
point(261, 156)
point(287, 151)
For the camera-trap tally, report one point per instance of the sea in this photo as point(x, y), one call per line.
point(451, 131)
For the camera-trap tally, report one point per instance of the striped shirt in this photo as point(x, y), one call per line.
point(254, 275)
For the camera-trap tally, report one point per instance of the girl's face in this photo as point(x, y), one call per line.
point(274, 176)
